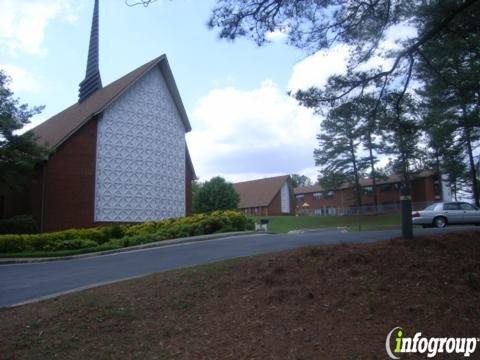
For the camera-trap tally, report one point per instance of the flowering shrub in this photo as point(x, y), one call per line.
point(116, 236)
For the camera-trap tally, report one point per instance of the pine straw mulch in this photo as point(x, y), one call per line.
point(335, 302)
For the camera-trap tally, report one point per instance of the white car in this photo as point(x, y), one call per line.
point(441, 214)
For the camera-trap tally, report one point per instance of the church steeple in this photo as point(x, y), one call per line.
point(92, 81)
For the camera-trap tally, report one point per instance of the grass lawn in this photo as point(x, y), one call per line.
point(283, 224)
point(331, 302)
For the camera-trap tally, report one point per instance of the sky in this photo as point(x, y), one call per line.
point(245, 126)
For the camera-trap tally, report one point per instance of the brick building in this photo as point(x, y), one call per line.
point(118, 155)
point(314, 200)
point(266, 197)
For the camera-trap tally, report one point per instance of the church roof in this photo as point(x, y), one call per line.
point(60, 127)
point(256, 193)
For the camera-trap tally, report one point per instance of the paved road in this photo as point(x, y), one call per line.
point(21, 283)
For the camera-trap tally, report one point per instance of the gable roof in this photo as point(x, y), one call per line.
point(60, 127)
point(261, 192)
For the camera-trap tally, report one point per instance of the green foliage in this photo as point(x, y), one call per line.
point(300, 180)
point(18, 153)
point(339, 146)
point(216, 194)
point(450, 69)
point(402, 134)
point(199, 224)
point(51, 241)
point(74, 244)
point(22, 224)
point(117, 236)
point(330, 180)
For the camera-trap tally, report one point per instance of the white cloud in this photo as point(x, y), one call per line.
point(23, 23)
point(21, 79)
point(276, 35)
point(317, 68)
point(244, 135)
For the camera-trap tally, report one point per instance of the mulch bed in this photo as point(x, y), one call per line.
point(336, 302)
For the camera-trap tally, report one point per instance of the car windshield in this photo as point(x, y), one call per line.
point(431, 207)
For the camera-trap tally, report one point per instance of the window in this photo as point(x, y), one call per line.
point(331, 211)
point(317, 196)
point(367, 190)
point(386, 187)
point(450, 206)
point(300, 198)
point(465, 206)
point(327, 194)
point(431, 207)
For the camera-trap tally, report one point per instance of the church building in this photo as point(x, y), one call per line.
point(119, 154)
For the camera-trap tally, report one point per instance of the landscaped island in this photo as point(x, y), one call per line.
point(78, 241)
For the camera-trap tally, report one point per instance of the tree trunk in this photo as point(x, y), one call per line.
point(355, 174)
point(473, 172)
point(372, 167)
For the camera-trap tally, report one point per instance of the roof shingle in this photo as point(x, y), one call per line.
point(60, 127)
point(256, 193)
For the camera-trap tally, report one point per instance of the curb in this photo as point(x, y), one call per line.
point(161, 243)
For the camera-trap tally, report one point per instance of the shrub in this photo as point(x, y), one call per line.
point(13, 243)
point(117, 236)
point(76, 244)
point(22, 224)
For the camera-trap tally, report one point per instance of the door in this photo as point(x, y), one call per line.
point(471, 215)
point(453, 213)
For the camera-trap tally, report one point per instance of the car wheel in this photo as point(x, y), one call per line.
point(440, 222)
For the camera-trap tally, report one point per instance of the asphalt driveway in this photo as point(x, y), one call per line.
point(20, 283)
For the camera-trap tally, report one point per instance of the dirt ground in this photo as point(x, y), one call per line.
point(336, 302)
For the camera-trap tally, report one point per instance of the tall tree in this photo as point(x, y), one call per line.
point(330, 180)
point(450, 70)
point(300, 180)
point(216, 194)
point(314, 25)
point(401, 135)
point(367, 110)
point(445, 154)
point(338, 150)
point(18, 153)
point(362, 25)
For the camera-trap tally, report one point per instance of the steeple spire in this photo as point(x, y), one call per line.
point(92, 81)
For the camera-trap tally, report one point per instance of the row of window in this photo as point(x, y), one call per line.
point(366, 190)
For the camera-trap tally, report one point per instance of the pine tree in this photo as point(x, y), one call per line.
point(338, 150)
point(450, 71)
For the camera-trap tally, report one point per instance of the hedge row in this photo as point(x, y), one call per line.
point(123, 235)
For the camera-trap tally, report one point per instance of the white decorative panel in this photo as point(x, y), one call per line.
point(140, 172)
point(285, 198)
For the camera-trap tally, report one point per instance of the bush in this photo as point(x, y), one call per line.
point(22, 224)
point(76, 244)
point(117, 236)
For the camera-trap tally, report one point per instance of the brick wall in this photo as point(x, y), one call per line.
point(188, 187)
point(68, 183)
point(423, 190)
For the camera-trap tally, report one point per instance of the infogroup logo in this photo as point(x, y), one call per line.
point(400, 344)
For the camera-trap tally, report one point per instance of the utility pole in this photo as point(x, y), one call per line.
point(406, 206)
